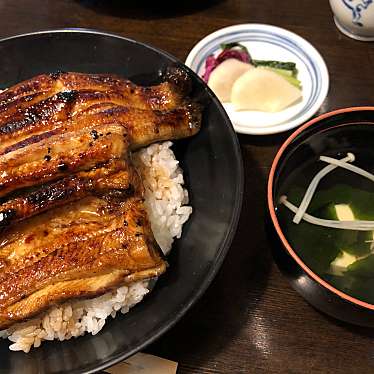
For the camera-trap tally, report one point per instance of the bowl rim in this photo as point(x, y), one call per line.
point(273, 215)
point(236, 211)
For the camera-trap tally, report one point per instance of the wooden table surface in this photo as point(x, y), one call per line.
point(249, 320)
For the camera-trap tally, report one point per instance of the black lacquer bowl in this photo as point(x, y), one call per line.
point(338, 132)
point(213, 172)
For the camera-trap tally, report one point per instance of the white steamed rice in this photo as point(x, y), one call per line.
point(165, 200)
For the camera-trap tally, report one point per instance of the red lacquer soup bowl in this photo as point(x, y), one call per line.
point(333, 269)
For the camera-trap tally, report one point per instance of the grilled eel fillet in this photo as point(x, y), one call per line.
point(143, 126)
point(78, 250)
point(67, 178)
point(103, 133)
point(47, 94)
point(113, 178)
point(58, 156)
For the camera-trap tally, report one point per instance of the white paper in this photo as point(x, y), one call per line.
point(142, 363)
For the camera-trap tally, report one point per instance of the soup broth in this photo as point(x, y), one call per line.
point(343, 258)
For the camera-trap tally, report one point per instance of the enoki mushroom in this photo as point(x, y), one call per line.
point(300, 212)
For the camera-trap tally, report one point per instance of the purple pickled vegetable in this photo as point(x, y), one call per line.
point(233, 53)
point(210, 64)
point(231, 50)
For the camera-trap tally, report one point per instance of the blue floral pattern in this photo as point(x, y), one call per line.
point(357, 7)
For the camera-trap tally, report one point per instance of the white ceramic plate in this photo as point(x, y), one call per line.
point(265, 42)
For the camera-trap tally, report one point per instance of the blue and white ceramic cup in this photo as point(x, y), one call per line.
point(354, 18)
